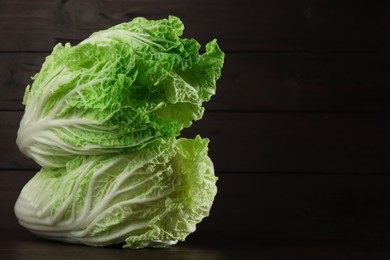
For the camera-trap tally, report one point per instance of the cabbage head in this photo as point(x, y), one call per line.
point(152, 197)
point(117, 91)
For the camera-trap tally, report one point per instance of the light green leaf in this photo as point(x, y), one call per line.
point(152, 197)
point(117, 91)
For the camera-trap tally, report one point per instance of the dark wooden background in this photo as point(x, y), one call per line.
point(299, 127)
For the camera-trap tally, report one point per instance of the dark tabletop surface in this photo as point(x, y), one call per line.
point(20, 244)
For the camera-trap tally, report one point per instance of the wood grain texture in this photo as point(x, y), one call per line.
point(259, 82)
point(299, 127)
point(268, 142)
point(297, 142)
point(243, 25)
point(17, 70)
point(300, 206)
point(285, 82)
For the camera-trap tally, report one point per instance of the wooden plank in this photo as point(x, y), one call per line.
point(11, 184)
point(285, 142)
point(17, 70)
point(300, 206)
point(303, 82)
point(269, 206)
point(244, 25)
point(259, 82)
point(268, 142)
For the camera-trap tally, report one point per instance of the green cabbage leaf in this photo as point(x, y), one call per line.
point(102, 119)
point(117, 91)
point(152, 197)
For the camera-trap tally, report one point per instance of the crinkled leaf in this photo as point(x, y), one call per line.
point(151, 197)
point(117, 91)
